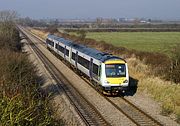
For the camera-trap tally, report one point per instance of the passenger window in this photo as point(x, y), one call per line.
point(95, 69)
point(99, 72)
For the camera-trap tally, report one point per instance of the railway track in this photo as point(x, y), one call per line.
point(135, 114)
point(85, 109)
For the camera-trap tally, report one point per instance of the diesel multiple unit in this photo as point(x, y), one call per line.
point(106, 71)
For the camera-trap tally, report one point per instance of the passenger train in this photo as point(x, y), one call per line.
point(106, 71)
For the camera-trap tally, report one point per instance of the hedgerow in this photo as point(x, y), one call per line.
point(21, 102)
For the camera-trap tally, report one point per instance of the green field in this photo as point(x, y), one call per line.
point(162, 42)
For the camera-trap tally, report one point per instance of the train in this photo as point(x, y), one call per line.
point(108, 72)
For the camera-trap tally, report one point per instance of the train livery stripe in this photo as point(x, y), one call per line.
point(115, 62)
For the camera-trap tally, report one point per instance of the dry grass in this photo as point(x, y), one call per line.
point(137, 68)
point(41, 34)
point(165, 92)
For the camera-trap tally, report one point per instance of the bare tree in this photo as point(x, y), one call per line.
point(8, 32)
point(8, 16)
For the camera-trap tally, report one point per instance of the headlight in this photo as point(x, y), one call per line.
point(106, 82)
point(126, 81)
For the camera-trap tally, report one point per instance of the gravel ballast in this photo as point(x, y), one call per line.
point(61, 106)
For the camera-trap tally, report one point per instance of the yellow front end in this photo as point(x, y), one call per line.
point(116, 81)
point(116, 75)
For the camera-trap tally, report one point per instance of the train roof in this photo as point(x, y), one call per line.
point(102, 56)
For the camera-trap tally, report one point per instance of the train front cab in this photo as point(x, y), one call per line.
point(115, 76)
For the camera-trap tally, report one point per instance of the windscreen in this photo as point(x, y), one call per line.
point(115, 70)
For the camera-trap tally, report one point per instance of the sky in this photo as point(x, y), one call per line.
point(83, 9)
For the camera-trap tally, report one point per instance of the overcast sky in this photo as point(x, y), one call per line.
point(68, 9)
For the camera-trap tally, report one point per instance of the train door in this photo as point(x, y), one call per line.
point(65, 53)
point(76, 58)
point(91, 68)
point(99, 73)
point(70, 55)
